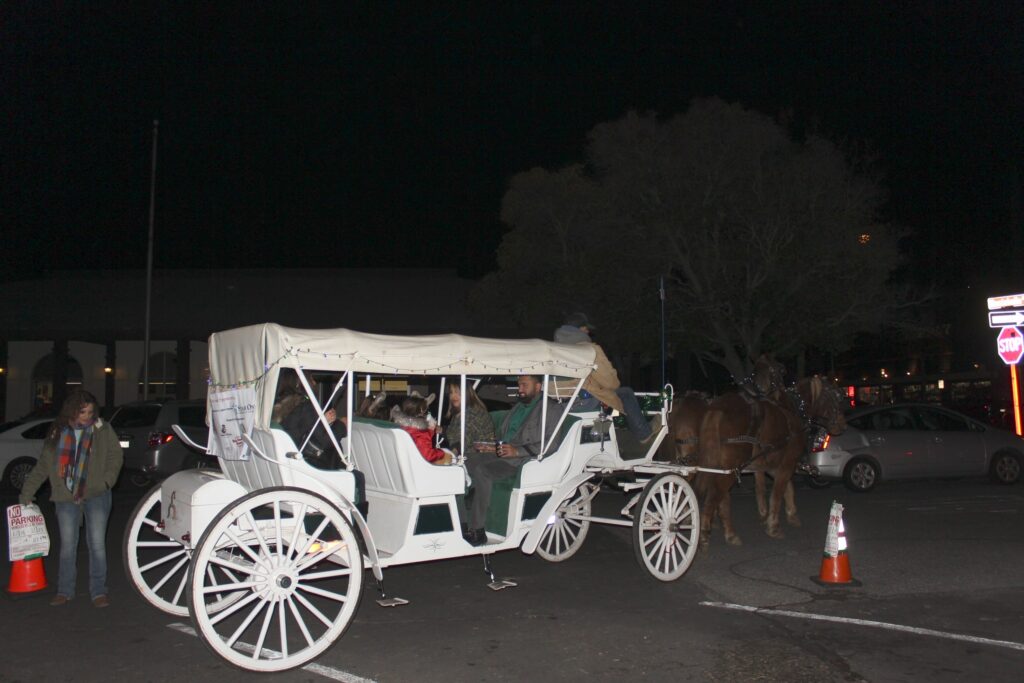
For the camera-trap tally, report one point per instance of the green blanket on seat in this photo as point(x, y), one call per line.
point(501, 491)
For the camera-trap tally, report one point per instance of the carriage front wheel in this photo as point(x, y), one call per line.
point(298, 560)
point(564, 532)
point(666, 527)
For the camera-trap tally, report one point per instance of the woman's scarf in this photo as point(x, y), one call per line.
point(73, 460)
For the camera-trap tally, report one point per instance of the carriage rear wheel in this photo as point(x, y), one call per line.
point(568, 526)
point(298, 562)
point(666, 527)
point(157, 565)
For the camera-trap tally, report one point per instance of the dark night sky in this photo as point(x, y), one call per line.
point(386, 133)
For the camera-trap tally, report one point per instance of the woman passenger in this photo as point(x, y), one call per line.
point(479, 426)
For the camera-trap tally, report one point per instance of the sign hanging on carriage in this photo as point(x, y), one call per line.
point(232, 415)
point(1010, 345)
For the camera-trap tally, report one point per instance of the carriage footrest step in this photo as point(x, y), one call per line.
point(501, 584)
point(392, 602)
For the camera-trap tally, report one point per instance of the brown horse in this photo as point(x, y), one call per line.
point(740, 432)
point(826, 404)
point(688, 412)
point(684, 428)
point(767, 379)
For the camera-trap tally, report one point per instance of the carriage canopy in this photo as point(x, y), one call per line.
point(252, 356)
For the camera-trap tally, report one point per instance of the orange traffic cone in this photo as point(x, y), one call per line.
point(835, 563)
point(27, 576)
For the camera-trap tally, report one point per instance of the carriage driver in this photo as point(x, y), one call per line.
point(603, 383)
point(520, 438)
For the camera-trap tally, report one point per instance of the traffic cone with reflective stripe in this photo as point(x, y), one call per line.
point(835, 563)
point(27, 576)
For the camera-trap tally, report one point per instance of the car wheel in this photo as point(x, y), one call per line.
point(817, 482)
point(140, 480)
point(1005, 468)
point(860, 475)
point(14, 475)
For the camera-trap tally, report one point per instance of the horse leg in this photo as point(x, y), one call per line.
point(725, 512)
point(792, 518)
point(762, 506)
point(772, 522)
point(708, 509)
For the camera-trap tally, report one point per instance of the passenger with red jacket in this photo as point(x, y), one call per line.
point(412, 416)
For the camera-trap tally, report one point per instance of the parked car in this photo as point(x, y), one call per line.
point(822, 447)
point(151, 448)
point(908, 440)
point(21, 442)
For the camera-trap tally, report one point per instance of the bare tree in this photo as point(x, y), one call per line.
point(768, 243)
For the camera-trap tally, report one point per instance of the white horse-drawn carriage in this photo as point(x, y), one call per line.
point(268, 555)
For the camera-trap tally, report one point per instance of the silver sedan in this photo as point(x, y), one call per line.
point(915, 440)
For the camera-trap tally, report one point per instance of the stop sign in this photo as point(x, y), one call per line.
point(1010, 345)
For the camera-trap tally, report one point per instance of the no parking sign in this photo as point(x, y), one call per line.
point(26, 532)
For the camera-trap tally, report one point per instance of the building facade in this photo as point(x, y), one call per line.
point(88, 328)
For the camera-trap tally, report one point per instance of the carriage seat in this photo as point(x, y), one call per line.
point(391, 463)
point(257, 473)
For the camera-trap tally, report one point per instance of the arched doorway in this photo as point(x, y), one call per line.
point(42, 382)
point(163, 375)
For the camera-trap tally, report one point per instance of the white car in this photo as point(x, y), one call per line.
point(21, 442)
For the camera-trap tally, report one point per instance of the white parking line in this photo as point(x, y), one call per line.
point(864, 622)
point(325, 671)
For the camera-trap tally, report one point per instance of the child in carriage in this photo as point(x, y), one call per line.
point(412, 416)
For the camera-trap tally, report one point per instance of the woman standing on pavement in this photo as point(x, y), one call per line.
point(82, 458)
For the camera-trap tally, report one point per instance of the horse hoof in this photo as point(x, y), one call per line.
point(794, 521)
point(775, 533)
point(734, 540)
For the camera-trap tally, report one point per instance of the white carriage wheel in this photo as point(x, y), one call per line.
point(567, 527)
point(299, 563)
point(157, 566)
point(666, 527)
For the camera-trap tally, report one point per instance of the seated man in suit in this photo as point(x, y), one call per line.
point(521, 439)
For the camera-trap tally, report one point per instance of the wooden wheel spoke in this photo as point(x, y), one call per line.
point(163, 560)
point(158, 585)
point(220, 616)
point(300, 621)
point(330, 595)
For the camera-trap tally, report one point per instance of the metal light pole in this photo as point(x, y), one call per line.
point(149, 265)
point(661, 295)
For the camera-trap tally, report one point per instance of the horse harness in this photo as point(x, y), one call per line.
point(758, 448)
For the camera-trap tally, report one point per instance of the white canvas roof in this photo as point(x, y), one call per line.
point(246, 355)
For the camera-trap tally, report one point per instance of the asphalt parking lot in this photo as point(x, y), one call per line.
point(941, 600)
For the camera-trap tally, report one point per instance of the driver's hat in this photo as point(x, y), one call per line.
point(578, 319)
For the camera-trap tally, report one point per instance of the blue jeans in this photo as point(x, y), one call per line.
point(635, 418)
point(69, 517)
